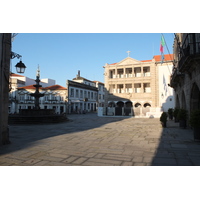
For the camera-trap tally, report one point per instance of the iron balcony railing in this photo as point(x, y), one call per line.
point(189, 52)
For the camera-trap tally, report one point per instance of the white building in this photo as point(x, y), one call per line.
point(166, 93)
point(21, 88)
point(139, 88)
point(81, 97)
point(101, 93)
point(84, 95)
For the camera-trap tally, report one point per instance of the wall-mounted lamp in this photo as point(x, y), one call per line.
point(20, 66)
point(162, 95)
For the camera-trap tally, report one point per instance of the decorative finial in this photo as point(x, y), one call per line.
point(38, 71)
point(128, 53)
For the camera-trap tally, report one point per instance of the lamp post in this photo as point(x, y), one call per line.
point(5, 55)
point(5, 50)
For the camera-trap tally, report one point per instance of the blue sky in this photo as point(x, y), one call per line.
point(61, 55)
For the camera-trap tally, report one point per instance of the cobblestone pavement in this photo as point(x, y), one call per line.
point(89, 140)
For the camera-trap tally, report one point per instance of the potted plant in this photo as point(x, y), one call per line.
point(175, 113)
point(163, 119)
point(182, 117)
point(170, 113)
point(195, 123)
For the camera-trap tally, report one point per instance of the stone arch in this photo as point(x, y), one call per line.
point(111, 104)
point(177, 102)
point(137, 108)
point(129, 104)
point(147, 105)
point(195, 97)
point(137, 104)
point(120, 104)
point(146, 108)
point(183, 100)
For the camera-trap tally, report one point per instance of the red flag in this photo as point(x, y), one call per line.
point(161, 48)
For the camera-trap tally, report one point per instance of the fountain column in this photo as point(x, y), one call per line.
point(37, 94)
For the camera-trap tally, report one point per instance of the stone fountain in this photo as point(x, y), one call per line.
point(36, 115)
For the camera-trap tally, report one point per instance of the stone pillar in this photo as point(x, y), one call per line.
point(5, 56)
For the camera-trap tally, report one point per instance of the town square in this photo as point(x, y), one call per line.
point(89, 140)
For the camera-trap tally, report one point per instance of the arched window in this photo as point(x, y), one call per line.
point(120, 104)
point(129, 104)
point(147, 105)
point(183, 100)
point(137, 105)
point(111, 104)
point(177, 102)
point(195, 98)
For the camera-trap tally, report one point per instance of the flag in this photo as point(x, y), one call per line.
point(162, 44)
point(165, 85)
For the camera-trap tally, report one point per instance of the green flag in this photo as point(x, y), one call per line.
point(162, 41)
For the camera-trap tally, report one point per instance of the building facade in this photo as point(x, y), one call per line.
point(139, 88)
point(21, 90)
point(84, 95)
point(185, 78)
point(101, 93)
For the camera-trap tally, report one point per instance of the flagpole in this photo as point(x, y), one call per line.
point(167, 50)
point(166, 45)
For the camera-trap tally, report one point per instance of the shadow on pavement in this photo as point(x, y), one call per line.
point(176, 147)
point(23, 136)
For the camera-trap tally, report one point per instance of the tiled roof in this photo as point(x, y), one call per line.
point(27, 87)
point(98, 82)
point(55, 87)
point(168, 57)
point(81, 78)
point(81, 85)
point(146, 60)
point(17, 75)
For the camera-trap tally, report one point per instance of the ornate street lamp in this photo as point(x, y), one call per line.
point(20, 66)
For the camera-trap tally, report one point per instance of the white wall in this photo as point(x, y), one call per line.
point(166, 93)
point(45, 82)
point(29, 81)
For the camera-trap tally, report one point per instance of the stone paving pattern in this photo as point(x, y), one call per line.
point(89, 140)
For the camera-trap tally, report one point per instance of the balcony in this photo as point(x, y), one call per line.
point(190, 56)
point(176, 78)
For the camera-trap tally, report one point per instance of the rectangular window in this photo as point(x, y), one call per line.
point(21, 97)
point(72, 92)
point(46, 98)
point(77, 93)
point(95, 95)
point(146, 87)
point(146, 71)
point(137, 87)
point(137, 71)
point(81, 93)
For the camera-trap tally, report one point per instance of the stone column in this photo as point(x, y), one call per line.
point(5, 56)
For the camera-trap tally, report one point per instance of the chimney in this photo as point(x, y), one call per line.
point(79, 73)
